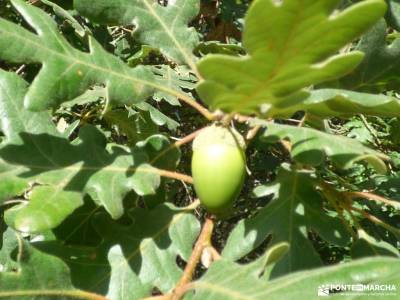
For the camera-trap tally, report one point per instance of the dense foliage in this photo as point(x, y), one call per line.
point(100, 101)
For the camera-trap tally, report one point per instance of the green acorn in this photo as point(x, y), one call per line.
point(218, 167)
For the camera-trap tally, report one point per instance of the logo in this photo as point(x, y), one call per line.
point(357, 287)
point(323, 290)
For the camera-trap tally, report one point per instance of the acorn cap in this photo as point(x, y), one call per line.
point(215, 134)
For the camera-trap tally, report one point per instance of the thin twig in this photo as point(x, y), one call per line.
point(294, 120)
point(175, 175)
point(374, 197)
point(203, 241)
point(303, 119)
point(187, 192)
point(177, 144)
point(196, 105)
point(20, 69)
point(226, 120)
point(287, 145)
point(179, 292)
point(371, 130)
point(193, 205)
point(375, 220)
point(252, 133)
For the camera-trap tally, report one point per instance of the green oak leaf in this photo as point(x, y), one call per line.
point(157, 116)
point(163, 27)
point(34, 152)
point(291, 44)
point(311, 147)
point(144, 252)
point(107, 176)
point(67, 72)
point(227, 281)
point(296, 208)
point(176, 79)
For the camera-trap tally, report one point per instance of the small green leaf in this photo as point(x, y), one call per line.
point(157, 116)
point(175, 79)
point(136, 127)
point(395, 131)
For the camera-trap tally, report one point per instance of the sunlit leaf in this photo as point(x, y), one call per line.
point(158, 26)
point(311, 147)
point(291, 45)
point(228, 281)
